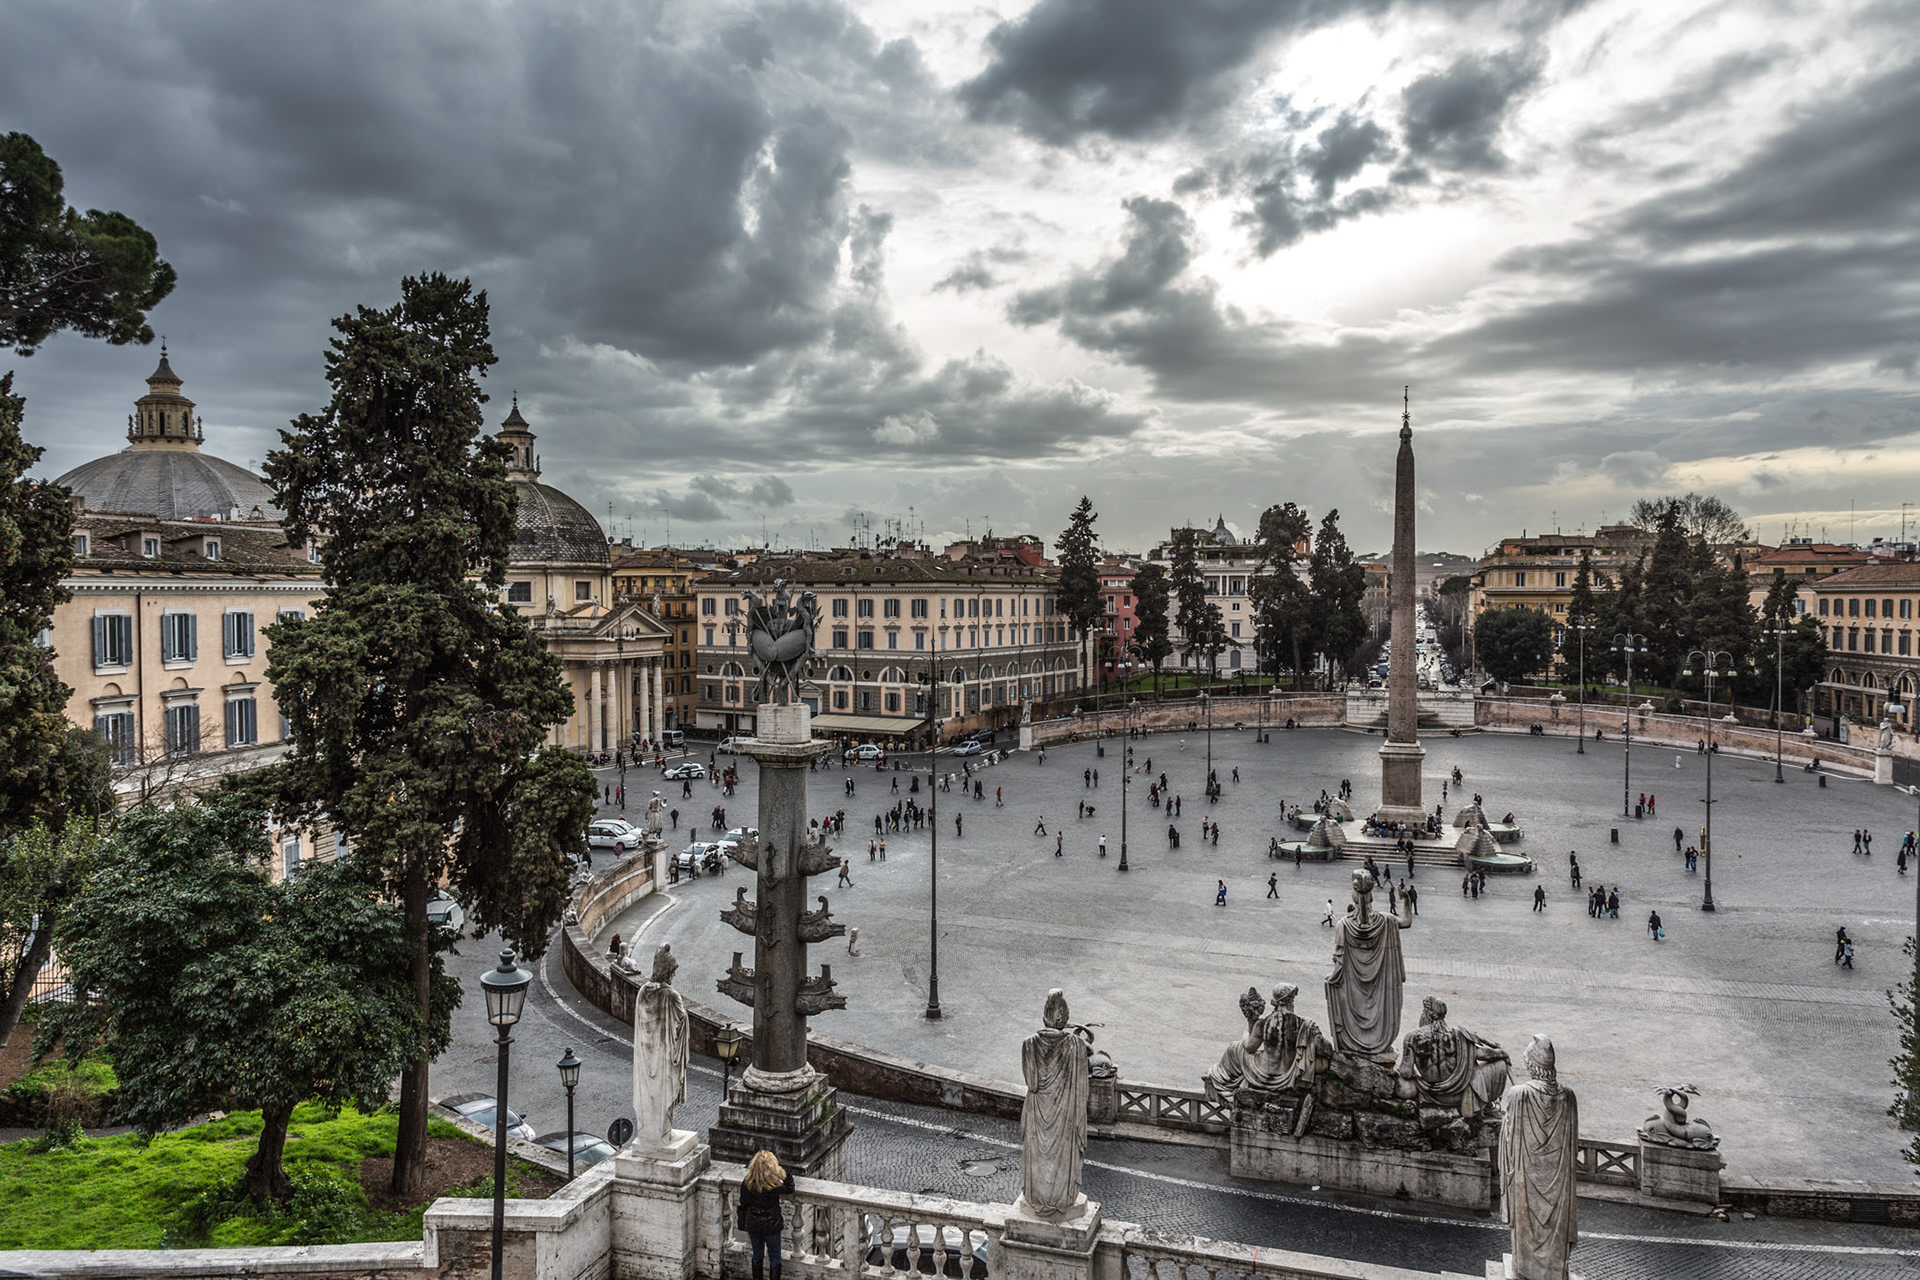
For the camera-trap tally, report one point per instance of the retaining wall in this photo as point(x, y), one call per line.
point(1657, 728)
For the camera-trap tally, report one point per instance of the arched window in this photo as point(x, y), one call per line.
point(893, 675)
point(733, 669)
point(1038, 667)
point(986, 673)
point(840, 673)
point(958, 675)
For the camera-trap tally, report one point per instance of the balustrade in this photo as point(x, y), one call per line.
point(1614, 1163)
point(1173, 1108)
point(837, 1230)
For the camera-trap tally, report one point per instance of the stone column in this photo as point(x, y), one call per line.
point(594, 713)
point(1402, 754)
point(646, 715)
point(659, 724)
point(781, 1103)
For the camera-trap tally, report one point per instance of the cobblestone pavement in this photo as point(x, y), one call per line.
point(1790, 1051)
point(1171, 1188)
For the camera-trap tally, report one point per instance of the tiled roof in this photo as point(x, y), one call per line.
point(114, 542)
point(1885, 573)
point(551, 528)
point(852, 571)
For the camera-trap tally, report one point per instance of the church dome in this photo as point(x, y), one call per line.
point(162, 471)
point(549, 527)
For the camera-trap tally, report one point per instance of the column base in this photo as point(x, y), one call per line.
point(1051, 1246)
point(655, 1209)
point(1400, 800)
point(806, 1129)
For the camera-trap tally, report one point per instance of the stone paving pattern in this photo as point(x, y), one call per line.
point(1790, 1051)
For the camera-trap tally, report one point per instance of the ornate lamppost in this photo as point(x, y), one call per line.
point(1581, 627)
point(506, 994)
point(1206, 706)
point(1710, 660)
point(1126, 779)
point(1779, 633)
point(569, 1077)
point(726, 1047)
point(1629, 643)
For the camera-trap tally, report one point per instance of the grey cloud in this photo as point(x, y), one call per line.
point(976, 270)
point(1451, 119)
point(1128, 68)
point(696, 507)
point(764, 491)
point(1635, 469)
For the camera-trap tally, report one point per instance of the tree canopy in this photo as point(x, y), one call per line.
point(95, 273)
point(418, 705)
point(1700, 517)
point(1513, 643)
point(1079, 554)
point(1339, 588)
point(212, 986)
point(1152, 641)
point(1283, 610)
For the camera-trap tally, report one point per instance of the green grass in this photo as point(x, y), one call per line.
point(122, 1193)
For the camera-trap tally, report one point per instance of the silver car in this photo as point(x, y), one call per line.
point(481, 1109)
point(613, 833)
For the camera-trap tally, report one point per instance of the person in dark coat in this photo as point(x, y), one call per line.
point(760, 1193)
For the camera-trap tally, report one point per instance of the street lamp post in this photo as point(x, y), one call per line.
point(933, 1013)
point(1779, 631)
point(1582, 735)
point(1126, 779)
point(1206, 706)
point(569, 1077)
point(506, 993)
point(1625, 642)
point(1709, 659)
point(726, 1047)
point(1914, 791)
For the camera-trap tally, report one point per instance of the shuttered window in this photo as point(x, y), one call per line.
point(112, 640)
point(179, 637)
point(183, 730)
point(242, 724)
point(236, 635)
point(116, 731)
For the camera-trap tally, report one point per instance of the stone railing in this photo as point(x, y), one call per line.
point(1306, 710)
point(1608, 1163)
point(1657, 728)
point(630, 879)
point(1163, 1108)
point(1150, 1255)
point(834, 1230)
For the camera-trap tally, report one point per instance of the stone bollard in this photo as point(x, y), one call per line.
point(1680, 1173)
point(1103, 1100)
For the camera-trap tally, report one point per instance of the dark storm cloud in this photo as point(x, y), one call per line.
point(696, 507)
point(1451, 119)
point(1129, 68)
point(765, 491)
point(1291, 194)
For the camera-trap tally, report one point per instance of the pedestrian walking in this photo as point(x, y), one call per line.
point(1901, 862)
point(1678, 836)
point(1393, 899)
point(1329, 917)
point(1866, 839)
point(1539, 898)
point(1573, 868)
point(1654, 928)
point(1841, 942)
point(1273, 884)
point(1103, 846)
point(883, 848)
point(846, 874)
point(1220, 898)
point(1086, 778)
point(1173, 836)
point(1040, 827)
point(1096, 779)
point(997, 802)
point(956, 824)
point(873, 851)
point(1856, 839)
point(1412, 893)
point(1466, 884)
point(1216, 834)
point(1059, 838)
point(1613, 903)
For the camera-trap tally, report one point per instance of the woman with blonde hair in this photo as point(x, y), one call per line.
point(760, 1193)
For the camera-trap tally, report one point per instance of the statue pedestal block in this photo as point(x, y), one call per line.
point(655, 1221)
point(1432, 1177)
point(1055, 1247)
point(1503, 1270)
point(1680, 1173)
point(1400, 764)
point(782, 723)
point(806, 1129)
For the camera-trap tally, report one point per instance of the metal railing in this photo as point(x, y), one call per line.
point(1612, 1163)
point(1173, 1108)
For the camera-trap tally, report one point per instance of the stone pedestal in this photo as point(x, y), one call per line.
point(1680, 1173)
point(1431, 1177)
point(804, 1126)
point(1055, 1247)
point(660, 858)
point(655, 1220)
point(1026, 737)
point(1503, 1270)
point(1400, 764)
point(1103, 1100)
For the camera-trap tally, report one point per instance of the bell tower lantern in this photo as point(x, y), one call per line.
point(525, 463)
point(163, 418)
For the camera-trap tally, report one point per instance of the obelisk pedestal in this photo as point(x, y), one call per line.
point(1402, 755)
point(780, 1103)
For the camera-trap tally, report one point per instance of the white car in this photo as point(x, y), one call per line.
point(969, 748)
point(867, 751)
point(737, 834)
point(613, 833)
point(682, 772)
point(731, 746)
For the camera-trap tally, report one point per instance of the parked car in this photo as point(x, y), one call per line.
point(730, 746)
point(479, 1108)
point(613, 833)
point(737, 834)
point(691, 859)
point(588, 1149)
point(968, 747)
point(866, 751)
point(446, 914)
point(985, 737)
point(690, 769)
point(673, 739)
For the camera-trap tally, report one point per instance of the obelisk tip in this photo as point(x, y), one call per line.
point(1406, 413)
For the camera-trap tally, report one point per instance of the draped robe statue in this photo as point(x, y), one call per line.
point(1363, 991)
point(1278, 1051)
point(1053, 1119)
point(660, 1045)
point(1449, 1067)
point(1539, 1135)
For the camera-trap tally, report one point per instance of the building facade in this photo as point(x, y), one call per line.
point(661, 581)
point(1228, 564)
point(1113, 655)
point(989, 634)
point(1538, 571)
point(1870, 619)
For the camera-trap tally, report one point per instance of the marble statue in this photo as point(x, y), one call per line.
point(1448, 1067)
point(1053, 1119)
point(1539, 1135)
point(655, 808)
point(1363, 991)
point(1883, 743)
point(660, 1046)
point(1279, 1050)
point(780, 632)
point(1672, 1127)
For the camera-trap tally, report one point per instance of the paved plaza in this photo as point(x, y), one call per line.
point(1790, 1052)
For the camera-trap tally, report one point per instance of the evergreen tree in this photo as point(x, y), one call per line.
point(1513, 643)
point(418, 705)
point(1283, 613)
point(210, 985)
point(1906, 1064)
point(1666, 591)
point(1189, 590)
point(1338, 586)
point(95, 273)
point(1079, 552)
point(1581, 608)
point(1622, 614)
point(1152, 641)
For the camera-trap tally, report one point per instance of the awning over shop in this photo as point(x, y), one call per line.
point(881, 726)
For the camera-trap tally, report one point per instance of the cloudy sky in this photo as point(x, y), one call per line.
point(775, 265)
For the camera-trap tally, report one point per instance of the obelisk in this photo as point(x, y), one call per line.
point(1402, 754)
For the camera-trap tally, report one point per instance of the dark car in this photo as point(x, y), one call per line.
point(589, 1149)
point(480, 1108)
point(985, 737)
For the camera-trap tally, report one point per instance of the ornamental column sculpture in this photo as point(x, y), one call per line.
point(1402, 754)
point(781, 1103)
